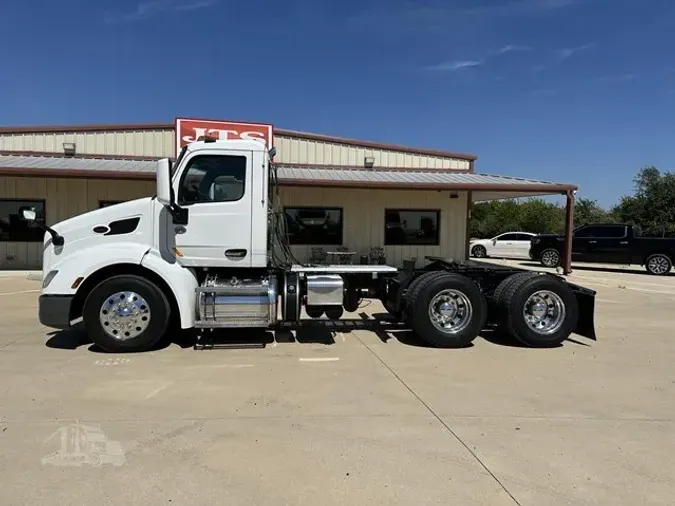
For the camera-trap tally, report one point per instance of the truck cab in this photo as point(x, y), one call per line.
point(221, 192)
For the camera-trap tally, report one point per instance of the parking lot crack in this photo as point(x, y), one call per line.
point(442, 422)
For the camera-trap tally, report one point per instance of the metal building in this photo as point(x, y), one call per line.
point(375, 198)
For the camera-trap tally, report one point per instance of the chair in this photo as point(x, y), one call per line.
point(377, 256)
point(317, 256)
point(343, 255)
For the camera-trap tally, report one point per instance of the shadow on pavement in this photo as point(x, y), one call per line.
point(383, 325)
point(590, 268)
point(77, 337)
point(501, 338)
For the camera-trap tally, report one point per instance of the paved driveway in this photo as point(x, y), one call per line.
point(347, 415)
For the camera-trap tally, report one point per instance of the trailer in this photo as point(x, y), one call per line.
point(210, 251)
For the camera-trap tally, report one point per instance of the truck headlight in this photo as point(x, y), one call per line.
point(535, 240)
point(48, 278)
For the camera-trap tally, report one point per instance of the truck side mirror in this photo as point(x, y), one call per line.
point(164, 182)
point(28, 214)
point(165, 194)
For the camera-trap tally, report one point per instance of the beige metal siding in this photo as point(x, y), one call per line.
point(64, 198)
point(157, 143)
point(363, 219)
point(310, 152)
point(160, 143)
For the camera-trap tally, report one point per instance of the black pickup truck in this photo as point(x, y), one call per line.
point(607, 243)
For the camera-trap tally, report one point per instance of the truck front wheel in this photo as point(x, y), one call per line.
point(126, 313)
point(449, 311)
point(659, 264)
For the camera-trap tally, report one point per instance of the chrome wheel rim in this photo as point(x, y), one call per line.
point(658, 265)
point(450, 311)
point(479, 252)
point(550, 258)
point(544, 312)
point(124, 315)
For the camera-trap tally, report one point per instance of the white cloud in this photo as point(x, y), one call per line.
point(520, 7)
point(463, 64)
point(456, 65)
point(564, 54)
point(510, 48)
point(148, 9)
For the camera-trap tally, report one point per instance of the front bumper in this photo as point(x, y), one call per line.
point(54, 311)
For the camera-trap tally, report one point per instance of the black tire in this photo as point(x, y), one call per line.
point(413, 291)
point(425, 328)
point(497, 307)
point(550, 258)
point(658, 264)
point(515, 298)
point(479, 251)
point(158, 310)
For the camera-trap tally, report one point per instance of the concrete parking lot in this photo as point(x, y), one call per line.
point(355, 414)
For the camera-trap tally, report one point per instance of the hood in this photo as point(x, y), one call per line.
point(104, 215)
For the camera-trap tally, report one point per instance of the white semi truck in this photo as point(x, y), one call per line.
point(210, 250)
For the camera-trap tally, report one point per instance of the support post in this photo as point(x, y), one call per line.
point(467, 236)
point(569, 228)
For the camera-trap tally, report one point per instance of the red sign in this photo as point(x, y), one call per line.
point(189, 130)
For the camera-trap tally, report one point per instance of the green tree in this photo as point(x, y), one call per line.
point(541, 217)
point(652, 207)
point(489, 219)
point(587, 212)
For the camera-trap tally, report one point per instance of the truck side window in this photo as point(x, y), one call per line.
point(213, 178)
point(602, 232)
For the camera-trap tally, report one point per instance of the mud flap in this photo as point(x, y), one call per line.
point(586, 300)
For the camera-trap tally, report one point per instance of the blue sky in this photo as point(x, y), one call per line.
point(579, 91)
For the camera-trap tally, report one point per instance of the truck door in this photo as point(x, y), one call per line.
point(582, 247)
point(601, 243)
point(611, 244)
point(215, 188)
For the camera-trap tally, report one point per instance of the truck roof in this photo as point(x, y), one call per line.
point(229, 144)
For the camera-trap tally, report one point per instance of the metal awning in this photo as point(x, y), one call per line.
point(483, 186)
point(25, 164)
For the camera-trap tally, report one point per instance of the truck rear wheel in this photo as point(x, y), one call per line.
point(659, 264)
point(540, 311)
point(550, 258)
point(449, 311)
point(413, 292)
point(126, 313)
point(497, 306)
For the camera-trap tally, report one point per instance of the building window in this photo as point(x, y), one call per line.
point(13, 228)
point(403, 227)
point(314, 225)
point(213, 178)
point(106, 203)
